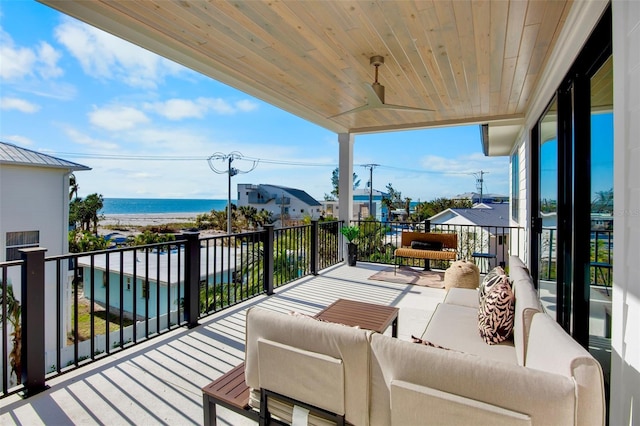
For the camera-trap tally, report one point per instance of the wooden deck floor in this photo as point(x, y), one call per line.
point(159, 382)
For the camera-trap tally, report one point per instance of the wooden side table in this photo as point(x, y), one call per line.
point(369, 316)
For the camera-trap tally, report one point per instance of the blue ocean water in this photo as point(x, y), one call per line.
point(160, 205)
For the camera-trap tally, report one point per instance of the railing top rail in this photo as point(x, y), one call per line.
point(241, 235)
point(11, 263)
point(114, 250)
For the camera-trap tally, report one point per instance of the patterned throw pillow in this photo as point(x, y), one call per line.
point(494, 276)
point(496, 313)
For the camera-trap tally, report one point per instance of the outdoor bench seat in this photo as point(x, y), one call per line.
point(448, 250)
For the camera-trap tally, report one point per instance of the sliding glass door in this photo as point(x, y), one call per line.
point(572, 198)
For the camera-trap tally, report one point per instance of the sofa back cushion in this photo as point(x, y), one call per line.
point(527, 305)
point(466, 381)
point(552, 350)
point(345, 349)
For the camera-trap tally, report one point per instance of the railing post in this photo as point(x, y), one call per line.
point(427, 225)
point(192, 278)
point(32, 357)
point(267, 243)
point(315, 250)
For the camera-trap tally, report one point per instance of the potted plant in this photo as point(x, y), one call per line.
point(351, 234)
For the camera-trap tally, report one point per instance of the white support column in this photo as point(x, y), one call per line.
point(625, 337)
point(345, 183)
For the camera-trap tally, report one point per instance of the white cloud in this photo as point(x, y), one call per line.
point(246, 105)
point(105, 56)
point(19, 105)
point(20, 62)
point(86, 140)
point(17, 62)
point(48, 59)
point(178, 109)
point(18, 140)
point(116, 118)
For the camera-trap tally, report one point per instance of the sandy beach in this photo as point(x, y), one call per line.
point(147, 219)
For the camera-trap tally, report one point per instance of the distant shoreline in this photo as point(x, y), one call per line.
point(146, 219)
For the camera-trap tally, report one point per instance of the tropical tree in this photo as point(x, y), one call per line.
point(84, 241)
point(85, 212)
point(393, 200)
point(73, 187)
point(14, 310)
point(603, 203)
point(335, 179)
point(430, 208)
point(94, 204)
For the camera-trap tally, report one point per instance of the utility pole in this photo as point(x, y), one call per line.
point(371, 167)
point(480, 182)
point(230, 171)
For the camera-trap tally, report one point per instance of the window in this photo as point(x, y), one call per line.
point(515, 186)
point(19, 240)
point(145, 289)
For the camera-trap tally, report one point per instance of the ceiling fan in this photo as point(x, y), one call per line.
point(376, 95)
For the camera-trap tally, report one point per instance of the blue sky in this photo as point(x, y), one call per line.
point(75, 92)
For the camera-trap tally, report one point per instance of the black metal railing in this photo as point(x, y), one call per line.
point(106, 301)
point(601, 256)
point(488, 246)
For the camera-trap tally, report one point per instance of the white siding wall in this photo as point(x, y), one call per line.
point(34, 198)
point(625, 356)
point(523, 194)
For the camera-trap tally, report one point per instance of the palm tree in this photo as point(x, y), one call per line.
point(73, 187)
point(13, 313)
point(603, 202)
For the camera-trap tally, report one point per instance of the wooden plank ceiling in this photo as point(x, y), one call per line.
point(466, 61)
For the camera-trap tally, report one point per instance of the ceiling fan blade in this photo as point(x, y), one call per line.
point(358, 109)
point(376, 94)
point(404, 108)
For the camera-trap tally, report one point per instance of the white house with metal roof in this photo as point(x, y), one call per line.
point(34, 201)
point(485, 231)
point(281, 201)
point(34, 212)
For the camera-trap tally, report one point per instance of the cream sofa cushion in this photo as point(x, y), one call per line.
point(348, 344)
point(552, 350)
point(318, 378)
point(462, 296)
point(546, 398)
point(456, 327)
point(446, 409)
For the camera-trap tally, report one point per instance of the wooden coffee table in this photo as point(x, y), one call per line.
point(364, 315)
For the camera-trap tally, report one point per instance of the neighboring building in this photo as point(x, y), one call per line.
point(360, 205)
point(34, 212)
point(34, 201)
point(477, 198)
point(282, 202)
point(157, 280)
point(484, 228)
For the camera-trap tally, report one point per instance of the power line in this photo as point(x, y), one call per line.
point(126, 157)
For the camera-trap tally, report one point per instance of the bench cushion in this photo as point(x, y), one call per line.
point(425, 254)
point(426, 245)
point(456, 327)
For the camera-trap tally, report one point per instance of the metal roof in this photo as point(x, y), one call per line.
point(299, 194)
point(13, 154)
point(489, 215)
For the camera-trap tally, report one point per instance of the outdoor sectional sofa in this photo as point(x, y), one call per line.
point(540, 377)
